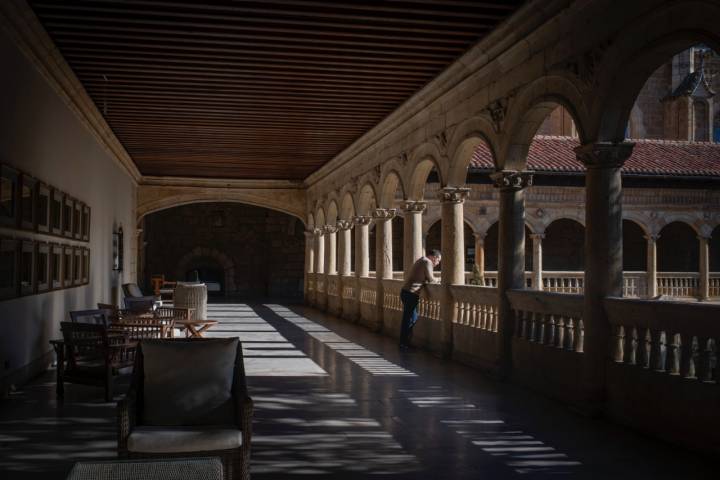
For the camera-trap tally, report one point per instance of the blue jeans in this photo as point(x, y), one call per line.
point(410, 315)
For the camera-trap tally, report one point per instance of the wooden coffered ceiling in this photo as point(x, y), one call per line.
point(268, 89)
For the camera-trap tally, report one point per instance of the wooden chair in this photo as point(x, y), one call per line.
point(188, 398)
point(140, 304)
point(137, 328)
point(91, 355)
point(99, 316)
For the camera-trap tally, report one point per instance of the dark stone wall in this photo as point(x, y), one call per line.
point(263, 250)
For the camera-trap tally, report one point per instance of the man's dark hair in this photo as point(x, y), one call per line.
point(434, 253)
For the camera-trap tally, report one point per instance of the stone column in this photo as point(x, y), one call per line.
point(704, 287)
point(330, 249)
point(511, 256)
point(537, 277)
point(383, 258)
point(651, 268)
point(320, 298)
point(603, 258)
point(343, 227)
point(362, 246)
point(453, 259)
point(480, 255)
point(309, 262)
point(412, 232)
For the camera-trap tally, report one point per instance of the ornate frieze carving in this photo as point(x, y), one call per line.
point(414, 206)
point(498, 110)
point(604, 154)
point(511, 179)
point(453, 194)
point(384, 213)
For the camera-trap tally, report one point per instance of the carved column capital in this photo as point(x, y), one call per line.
point(537, 236)
point(361, 220)
point(414, 207)
point(653, 238)
point(604, 154)
point(330, 229)
point(310, 233)
point(453, 194)
point(344, 224)
point(480, 237)
point(511, 179)
point(318, 231)
point(384, 213)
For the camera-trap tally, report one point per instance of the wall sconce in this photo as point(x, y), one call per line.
point(118, 249)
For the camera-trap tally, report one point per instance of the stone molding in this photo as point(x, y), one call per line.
point(604, 154)
point(362, 220)
point(453, 194)
point(344, 224)
point(511, 179)
point(384, 214)
point(414, 207)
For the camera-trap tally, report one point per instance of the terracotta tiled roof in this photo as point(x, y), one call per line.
point(649, 157)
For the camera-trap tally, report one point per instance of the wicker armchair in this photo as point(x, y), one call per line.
point(90, 355)
point(188, 398)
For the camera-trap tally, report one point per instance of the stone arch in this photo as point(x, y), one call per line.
point(320, 220)
point(466, 138)
point(678, 249)
point(529, 110)
point(554, 216)
point(347, 207)
point(634, 245)
point(310, 221)
point(564, 245)
point(423, 159)
point(637, 51)
point(389, 188)
point(332, 213)
point(640, 220)
point(687, 219)
point(367, 199)
point(152, 198)
point(223, 260)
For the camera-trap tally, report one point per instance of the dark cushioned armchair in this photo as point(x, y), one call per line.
point(188, 397)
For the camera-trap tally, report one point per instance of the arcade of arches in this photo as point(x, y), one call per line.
point(567, 165)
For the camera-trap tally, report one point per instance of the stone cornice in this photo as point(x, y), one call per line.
point(604, 154)
point(453, 194)
point(502, 39)
point(25, 30)
point(511, 179)
point(221, 183)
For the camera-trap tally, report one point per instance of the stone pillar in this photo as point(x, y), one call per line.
point(309, 262)
point(603, 258)
point(362, 246)
point(383, 258)
point(651, 269)
point(704, 287)
point(330, 249)
point(344, 244)
point(537, 277)
point(480, 255)
point(320, 298)
point(412, 232)
point(453, 259)
point(511, 256)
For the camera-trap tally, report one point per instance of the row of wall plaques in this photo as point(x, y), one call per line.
point(29, 204)
point(28, 267)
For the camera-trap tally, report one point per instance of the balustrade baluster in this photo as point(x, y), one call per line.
point(523, 325)
point(674, 354)
point(569, 335)
point(531, 335)
point(551, 330)
point(647, 348)
point(632, 347)
point(580, 347)
point(707, 360)
point(619, 354)
point(660, 355)
point(541, 329)
point(560, 333)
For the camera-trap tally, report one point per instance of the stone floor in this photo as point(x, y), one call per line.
point(337, 401)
